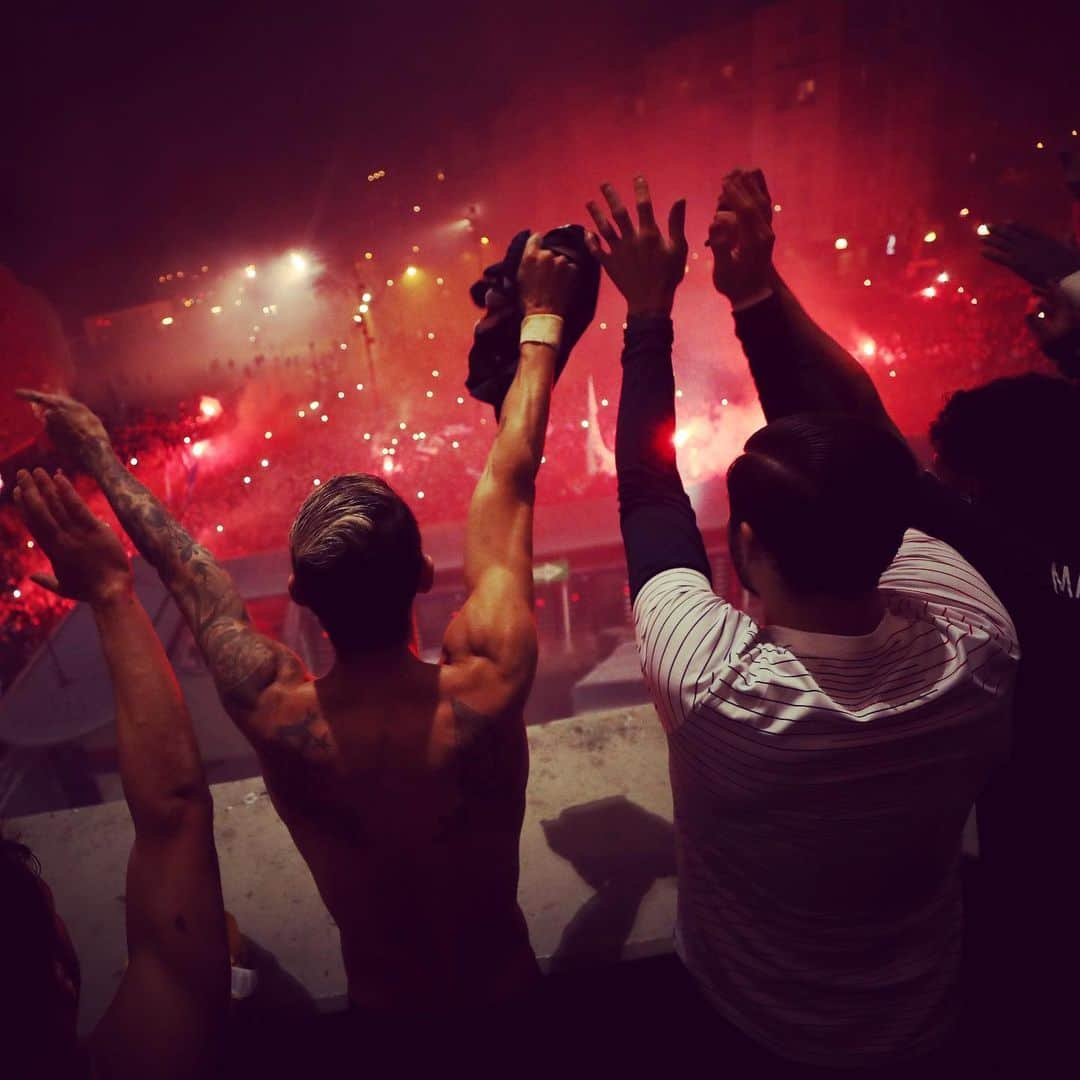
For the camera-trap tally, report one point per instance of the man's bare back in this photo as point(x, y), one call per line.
point(402, 783)
point(407, 802)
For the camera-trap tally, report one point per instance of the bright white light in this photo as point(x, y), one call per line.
point(411, 271)
point(358, 319)
point(209, 406)
point(268, 434)
point(187, 440)
point(455, 444)
point(341, 393)
point(584, 423)
point(316, 482)
point(388, 466)
point(265, 463)
point(983, 230)
point(402, 425)
point(964, 211)
point(435, 374)
point(929, 292)
point(167, 321)
point(366, 298)
point(723, 401)
point(440, 281)
point(200, 448)
point(867, 347)
point(250, 271)
point(216, 309)
point(840, 243)
point(220, 528)
point(247, 479)
point(604, 402)
point(461, 401)
point(17, 593)
point(867, 282)
point(680, 437)
point(363, 309)
point(324, 418)
point(299, 263)
point(416, 209)
point(301, 413)
point(890, 244)
point(343, 346)
point(930, 237)
point(133, 461)
point(943, 277)
point(430, 393)
point(892, 374)
point(419, 494)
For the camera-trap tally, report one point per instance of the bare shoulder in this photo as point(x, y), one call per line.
point(292, 724)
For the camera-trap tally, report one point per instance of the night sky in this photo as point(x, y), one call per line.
point(169, 132)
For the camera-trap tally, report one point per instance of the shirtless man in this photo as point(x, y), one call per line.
point(402, 783)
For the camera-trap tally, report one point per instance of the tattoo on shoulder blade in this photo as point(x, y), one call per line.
point(305, 736)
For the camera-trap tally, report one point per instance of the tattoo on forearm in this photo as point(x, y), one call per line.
point(242, 662)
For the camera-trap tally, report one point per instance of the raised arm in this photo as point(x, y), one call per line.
point(174, 994)
point(658, 524)
point(245, 664)
point(796, 366)
point(496, 624)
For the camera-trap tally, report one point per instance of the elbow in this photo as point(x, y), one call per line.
point(515, 477)
point(185, 808)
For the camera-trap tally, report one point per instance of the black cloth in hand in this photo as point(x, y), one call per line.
point(493, 358)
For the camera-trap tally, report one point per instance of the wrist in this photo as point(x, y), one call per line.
point(95, 454)
point(111, 593)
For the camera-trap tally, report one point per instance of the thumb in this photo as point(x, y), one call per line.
point(47, 581)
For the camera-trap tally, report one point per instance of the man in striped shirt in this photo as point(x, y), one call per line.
point(822, 764)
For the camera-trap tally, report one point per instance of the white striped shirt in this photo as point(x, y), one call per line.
point(821, 784)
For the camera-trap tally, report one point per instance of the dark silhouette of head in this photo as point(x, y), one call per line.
point(1012, 444)
point(39, 975)
point(824, 499)
point(357, 562)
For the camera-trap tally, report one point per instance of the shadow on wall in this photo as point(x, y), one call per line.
point(620, 849)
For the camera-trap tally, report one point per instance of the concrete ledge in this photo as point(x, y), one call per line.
point(597, 862)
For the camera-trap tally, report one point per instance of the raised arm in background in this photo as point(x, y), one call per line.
point(796, 366)
point(496, 626)
point(246, 665)
point(658, 524)
point(174, 994)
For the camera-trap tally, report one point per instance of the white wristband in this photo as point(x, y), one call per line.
point(542, 330)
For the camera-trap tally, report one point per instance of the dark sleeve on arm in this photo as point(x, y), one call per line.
point(798, 368)
point(659, 527)
point(765, 333)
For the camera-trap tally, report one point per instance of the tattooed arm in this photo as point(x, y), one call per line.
point(244, 663)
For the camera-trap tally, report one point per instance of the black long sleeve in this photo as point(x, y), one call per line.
point(659, 527)
point(797, 367)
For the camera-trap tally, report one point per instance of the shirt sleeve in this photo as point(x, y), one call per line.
point(930, 572)
point(685, 632)
point(659, 527)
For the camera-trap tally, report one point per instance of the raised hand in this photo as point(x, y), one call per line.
point(545, 280)
point(88, 560)
point(1039, 259)
point(645, 266)
point(72, 425)
point(741, 236)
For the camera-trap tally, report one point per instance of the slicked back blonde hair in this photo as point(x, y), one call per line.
point(356, 559)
